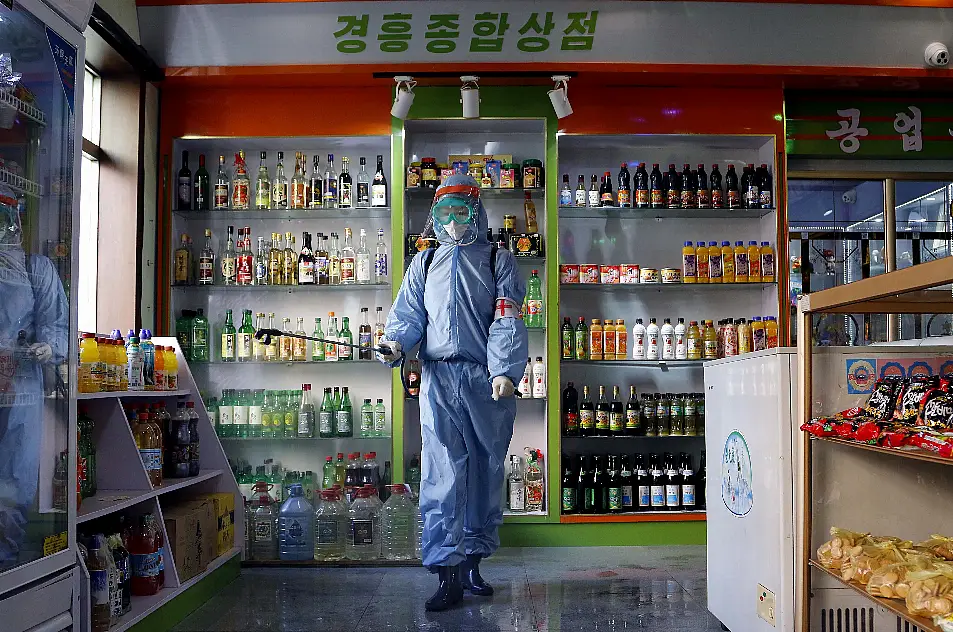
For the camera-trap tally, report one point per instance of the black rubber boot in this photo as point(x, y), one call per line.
point(449, 592)
point(472, 580)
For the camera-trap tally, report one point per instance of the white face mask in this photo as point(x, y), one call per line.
point(456, 231)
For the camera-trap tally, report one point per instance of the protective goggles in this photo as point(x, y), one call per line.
point(456, 203)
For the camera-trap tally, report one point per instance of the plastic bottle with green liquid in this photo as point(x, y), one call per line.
point(367, 419)
point(317, 349)
point(534, 318)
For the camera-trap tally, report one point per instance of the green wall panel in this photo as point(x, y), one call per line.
point(604, 534)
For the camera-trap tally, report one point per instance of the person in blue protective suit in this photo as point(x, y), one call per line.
point(34, 331)
point(461, 303)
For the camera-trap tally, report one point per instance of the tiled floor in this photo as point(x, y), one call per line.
point(542, 589)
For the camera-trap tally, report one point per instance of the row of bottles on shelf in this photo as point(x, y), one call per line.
point(128, 562)
point(609, 340)
point(273, 414)
point(526, 482)
point(136, 364)
point(601, 484)
point(327, 263)
point(711, 264)
point(332, 190)
point(169, 446)
point(688, 189)
point(658, 415)
point(241, 345)
point(533, 384)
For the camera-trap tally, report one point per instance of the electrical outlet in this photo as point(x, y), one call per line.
point(766, 605)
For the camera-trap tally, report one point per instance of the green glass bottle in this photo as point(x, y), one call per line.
point(326, 417)
point(317, 349)
point(227, 351)
point(367, 419)
point(345, 415)
point(241, 405)
point(200, 337)
point(336, 406)
point(291, 416)
point(255, 409)
point(266, 416)
point(345, 352)
point(225, 414)
point(246, 335)
point(212, 407)
point(183, 332)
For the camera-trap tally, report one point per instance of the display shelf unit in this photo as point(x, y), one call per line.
point(664, 365)
point(916, 483)
point(614, 212)
point(662, 287)
point(904, 452)
point(316, 214)
point(132, 394)
point(290, 289)
point(489, 193)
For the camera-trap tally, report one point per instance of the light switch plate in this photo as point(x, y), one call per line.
point(766, 605)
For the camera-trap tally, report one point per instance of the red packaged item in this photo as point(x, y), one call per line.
point(867, 432)
point(933, 442)
point(907, 407)
point(819, 427)
point(882, 400)
point(895, 436)
point(936, 410)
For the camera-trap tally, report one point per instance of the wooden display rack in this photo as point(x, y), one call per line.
point(899, 482)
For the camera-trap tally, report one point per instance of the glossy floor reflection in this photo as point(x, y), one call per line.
point(542, 589)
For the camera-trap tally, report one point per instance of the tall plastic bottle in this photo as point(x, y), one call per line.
point(264, 525)
point(539, 378)
point(148, 359)
point(159, 372)
point(398, 526)
point(652, 340)
point(330, 527)
point(363, 536)
point(134, 367)
point(681, 346)
point(638, 336)
point(98, 566)
point(296, 527)
point(702, 262)
point(526, 383)
point(171, 369)
point(668, 340)
point(88, 359)
point(534, 302)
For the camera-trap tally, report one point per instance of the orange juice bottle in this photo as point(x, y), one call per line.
point(89, 381)
point(754, 262)
point(689, 263)
point(121, 361)
point(771, 331)
point(716, 266)
point(621, 340)
point(701, 257)
point(608, 340)
point(741, 262)
point(727, 263)
point(595, 340)
point(768, 272)
point(171, 369)
point(106, 358)
point(159, 370)
point(759, 341)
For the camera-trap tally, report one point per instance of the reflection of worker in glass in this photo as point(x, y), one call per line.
point(463, 308)
point(34, 330)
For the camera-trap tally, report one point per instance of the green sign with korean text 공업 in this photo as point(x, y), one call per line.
point(870, 127)
point(477, 32)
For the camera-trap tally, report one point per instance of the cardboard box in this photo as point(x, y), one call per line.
point(192, 533)
point(223, 505)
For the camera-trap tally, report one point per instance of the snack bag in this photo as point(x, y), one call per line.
point(890, 581)
point(944, 622)
point(871, 558)
point(836, 552)
point(931, 591)
point(907, 407)
point(932, 441)
point(936, 410)
point(939, 545)
point(882, 400)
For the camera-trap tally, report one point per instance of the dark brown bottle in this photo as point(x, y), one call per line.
point(703, 194)
point(657, 193)
point(625, 187)
point(688, 187)
point(732, 192)
point(605, 190)
point(570, 411)
point(587, 415)
point(643, 199)
point(717, 192)
point(674, 188)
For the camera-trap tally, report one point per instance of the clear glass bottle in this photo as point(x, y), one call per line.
point(207, 261)
point(330, 185)
point(289, 268)
point(261, 262)
point(220, 196)
point(306, 417)
point(379, 327)
point(380, 259)
point(286, 343)
point(299, 184)
point(240, 183)
point(271, 349)
point(364, 337)
point(316, 186)
point(229, 259)
point(379, 186)
point(306, 262)
point(363, 186)
point(363, 260)
point(348, 257)
point(299, 346)
point(331, 347)
point(263, 185)
point(317, 348)
point(279, 188)
point(516, 486)
point(334, 261)
point(258, 348)
point(182, 262)
point(276, 260)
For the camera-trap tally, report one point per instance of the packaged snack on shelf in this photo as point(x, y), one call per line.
point(882, 400)
point(908, 398)
point(588, 273)
point(569, 273)
point(609, 274)
point(871, 557)
point(838, 424)
point(937, 443)
point(629, 273)
point(890, 581)
point(936, 410)
point(836, 552)
point(938, 545)
point(931, 591)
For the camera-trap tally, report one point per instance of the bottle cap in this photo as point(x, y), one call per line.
point(688, 243)
point(739, 243)
point(726, 243)
point(712, 244)
point(752, 243)
point(765, 243)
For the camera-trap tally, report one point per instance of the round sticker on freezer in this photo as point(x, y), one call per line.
point(736, 483)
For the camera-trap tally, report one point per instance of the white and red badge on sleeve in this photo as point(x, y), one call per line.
point(507, 308)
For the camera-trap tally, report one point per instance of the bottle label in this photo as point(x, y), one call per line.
point(344, 352)
point(171, 381)
point(264, 530)
point(674, 198)
point(344, 422)
point(693, 348)
point(254, 416)
point(765, 198)
point(767, 265)
point(206, 267)
point(363, 268)
point(380, 422)
point(517, 498)
point(581, 197)
point(565, 197)
point(570, 422)
point(711, 349)
point(378, 195)
point(261, 272)
point(228, 346)
point(717, 198)
point(306, 272)
point(658, 495)
point(380, 265)
point(99, 588)
point(330, 351)
point(759, 339)
point(569, 499)
point(534, 308)
point(587, 419)
point(734, 199)
point(347, 269)
point(330, 193)
point(240, 194)
point(702, 198)
point(534, 497)
point(305, 424)
point(645, 496)
point(326, 531)
point(652, 352)
point(279, 195)
point(145, 564)
point(688, 493)
point(615, 498)
point(639, 352)
point(688, 199)
point(317, 193)
point(298, 195)
point(714, 267)
point(290, 418)
point(625, 197)
point(632, 419)
point(240, 415)
point(364, 339)
point(263, 195)
point(689, 266)
point(602, 420)
point(345, 191)
point(367, 422)
point(752, 196)
point(616, 423)
point(668, 346)
point(362, 531)
point(627, 494)
point(185, 192)
point(593, 198)
point(225, 417)
point(658, 197)
point(608, 345)
point(741, 264)
point(580, 346)
point(642, 198)
point(621, 344)
point(606, 198)
point(244, 345)
point(326, 422)
point(672, 495)
point(595, 345)
point(228, 268)
point(292, 532)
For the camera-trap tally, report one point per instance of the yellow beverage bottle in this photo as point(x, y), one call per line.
point(121, 361)
point(701, 257)
point(716, 266)
point(759, 341)
point(608, 340)
point(106, 358)
point(88, 359)
point(595, 340)
point(727, 263)
point(160, 371)
point(744, 337)
point(768, 270)
point(771, 331)
point(689, 263)
point(621, 340)
point(171, 369)
point(741, 262)
point(711, 341)
point(754, 262)
point(100, 369)
point(694, 343)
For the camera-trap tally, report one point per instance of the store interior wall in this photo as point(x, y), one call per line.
point(150, 170)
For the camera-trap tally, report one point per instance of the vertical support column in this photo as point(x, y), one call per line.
point(890, 248)
point(802, 510)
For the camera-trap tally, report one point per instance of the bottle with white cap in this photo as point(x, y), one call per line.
point(668, 340)
point(638, 334)
point(539, 378)
point(681, 347)
point(526, 384)
point(652, 340)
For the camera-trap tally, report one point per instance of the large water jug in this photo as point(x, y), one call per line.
point(364, 530)
point(399, 526)
point(263, 531)
point(296, 527)
point(330, 527)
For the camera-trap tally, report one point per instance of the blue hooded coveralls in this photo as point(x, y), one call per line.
point(465, 432)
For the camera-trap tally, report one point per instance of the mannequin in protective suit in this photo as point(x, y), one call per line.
point(466, 317)
point(34, 330)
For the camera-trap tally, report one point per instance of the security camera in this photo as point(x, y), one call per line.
point(937, 55)
point(849, 197)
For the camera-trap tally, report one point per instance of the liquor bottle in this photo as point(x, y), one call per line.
point(229, 262)
point(285, 343)
point(643, 489)
point(299, 185)
point(321, 260)
point(570, 411)
point(379, 327)
point(263, 185)
point(625, 187)
point(245, 259)
point(306, 262)
point(182, 262)
point(200, 337)
point(579, 474)
point(207, 261)
point(616, 414)
point(656, 483)
point(345, 351)
point(279, 188)
point(299, 346)
point(364, 337)
point(689, 187)
point(317, 349)
point(227, 351)
point(581, 341)
point(602, 413)
point(363, 186)
point(258, 349)
point(766, 187)
point(717, 193)
point(673, 484)
point(516, 486)
point(701, 481)
point(379, 185)
point(613, 493)
point(702, 192)
point(305, 414)
point(347, 259)
point(331, 348)
point(594, 488)
point(243, 341)
point(289, 269)
point(605, 190)
point(689, 501)
point(565, 193)
point(220, 197)
point(326, 425)
point(276, 260)
point(534, 480)
point(380, 259)
point(261, 263)
point(656, 191)
point(581, 194)
point(750, 189)
point(642, 198)
point(732, 191)
point(363, 260)
point(567, 337)
point(271, 350)
point(345, 415)
point(334, 261)
point(240, 183)
point(633, 419)
point(626, 479)
point(200, 188)
point(534, 302)
point(594, 191)
point(345, 186)
point(568, 488)
point(674, 188)
point(316, 186)
point(185, 185)
point(330, 185)
point(587, 415)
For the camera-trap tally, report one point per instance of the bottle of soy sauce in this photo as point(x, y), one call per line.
point(703, 194)
point(605, 190)
point(625, 187)
point(642, 197)
point(732, 191)
point(656, 190)
point(717, 192)
point(570, 411)
point(587, 415)
point(674, 188)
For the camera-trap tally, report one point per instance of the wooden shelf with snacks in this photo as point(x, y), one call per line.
point(904, 453)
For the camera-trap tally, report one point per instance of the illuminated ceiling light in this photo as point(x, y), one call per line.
point(470, 96)
point(559, 96)
point(404, 98)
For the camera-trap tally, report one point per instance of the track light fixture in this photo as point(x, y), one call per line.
point(404, 98)
point(559, 96)
point(470, 96)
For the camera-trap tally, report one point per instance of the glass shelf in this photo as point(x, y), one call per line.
point(235, 215)
point(649, 364)
point(630, 437)
point(302, 439)
point(284, 288)
point(339, 363)
point(610, 212)
point(660, 287)
point(487, 193)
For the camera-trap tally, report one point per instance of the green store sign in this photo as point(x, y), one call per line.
point(866, 127)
